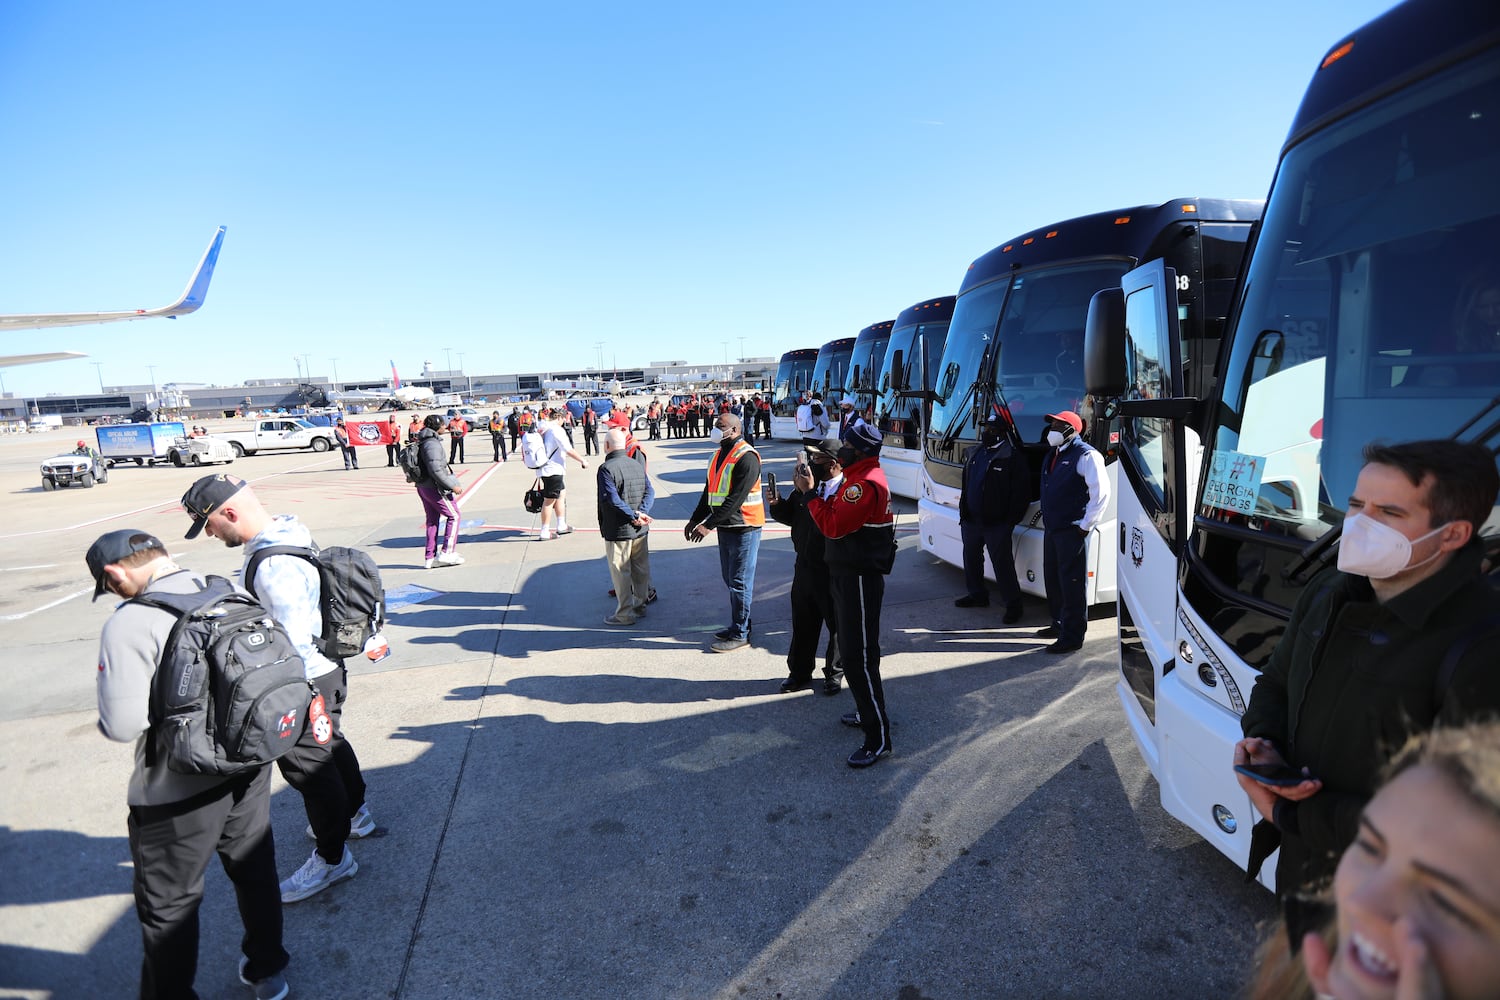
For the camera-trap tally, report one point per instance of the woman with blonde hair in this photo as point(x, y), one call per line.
point(1417, 895)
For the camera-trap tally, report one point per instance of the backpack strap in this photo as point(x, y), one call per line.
point(260, 555)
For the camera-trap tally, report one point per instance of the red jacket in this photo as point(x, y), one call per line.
point(858, 521)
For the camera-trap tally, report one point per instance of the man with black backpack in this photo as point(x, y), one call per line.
point(178, 819)
point(322, 765)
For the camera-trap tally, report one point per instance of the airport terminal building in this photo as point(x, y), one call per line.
point(192, 401)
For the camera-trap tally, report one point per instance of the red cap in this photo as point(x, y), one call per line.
point(1070, 418)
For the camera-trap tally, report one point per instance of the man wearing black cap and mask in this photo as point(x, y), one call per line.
point(856, 519)
point(179, 821)
point(1075, 492)
point(996, 492)
point(812, 600)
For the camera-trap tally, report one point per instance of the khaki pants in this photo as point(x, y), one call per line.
point(630, 571)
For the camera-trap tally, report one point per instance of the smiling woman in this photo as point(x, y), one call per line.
point(1417, 895)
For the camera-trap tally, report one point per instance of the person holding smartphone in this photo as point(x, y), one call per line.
point(1400, 637)
point(812, 600)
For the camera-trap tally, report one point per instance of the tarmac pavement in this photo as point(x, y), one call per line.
point(572, 810)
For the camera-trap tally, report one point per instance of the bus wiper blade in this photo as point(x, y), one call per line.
point(1316, 553)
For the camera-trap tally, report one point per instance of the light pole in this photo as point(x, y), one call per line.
point(742, 348)
point(335, 371)
point(468, 382)
point(448, 352)
point(599, 346)
point(307, 366)
point(100, 366)
point(726, 350)
point(297, 360)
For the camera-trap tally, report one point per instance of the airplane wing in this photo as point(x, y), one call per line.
point(11, 360)
point(191, 299)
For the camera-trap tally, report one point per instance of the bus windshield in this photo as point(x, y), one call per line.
point(864, 367)
point(1372, 308)
point(898, 403)
point(1039, 364)
point(794, 376)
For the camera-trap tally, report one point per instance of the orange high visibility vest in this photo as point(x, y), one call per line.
point(720, 475)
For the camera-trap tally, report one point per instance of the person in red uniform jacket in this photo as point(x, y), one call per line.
point(856, 519)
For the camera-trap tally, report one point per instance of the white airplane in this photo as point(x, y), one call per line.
point(191, 299)
point(402, 396)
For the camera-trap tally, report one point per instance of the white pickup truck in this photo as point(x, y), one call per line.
point(279, 434)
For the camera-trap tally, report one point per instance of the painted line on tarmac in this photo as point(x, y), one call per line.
point(473, 487)
point(17, 569)
point(45, 607)
point(139, 510)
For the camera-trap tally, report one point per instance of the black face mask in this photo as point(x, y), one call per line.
point(847, 456)
point(820, 471)
point(989, 438)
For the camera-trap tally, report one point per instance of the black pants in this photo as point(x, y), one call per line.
point(498, 440)
point(812, 610)
point(1065, 573)
point(591, 440)
point(327, 774)
point(170, 846)
point(456, 449)
point(996, 538)
point(392, 454)
point(856, 606)
point(513, 436)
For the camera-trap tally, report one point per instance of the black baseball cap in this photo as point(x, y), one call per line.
point(206, 496)
point(116, 545)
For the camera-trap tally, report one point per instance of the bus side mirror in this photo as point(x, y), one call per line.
point(1104, 372)
point(896, 370)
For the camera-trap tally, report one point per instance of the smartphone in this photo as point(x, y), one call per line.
point(1272, 774)
point(771, 482)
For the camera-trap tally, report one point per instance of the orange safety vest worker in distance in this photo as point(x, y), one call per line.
point(720, 481)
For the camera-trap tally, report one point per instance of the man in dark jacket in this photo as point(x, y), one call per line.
point(856, 519)
point(996, 492)
point(732, 505)
point(1397, 639)
point(812, 600)
point(437, 488)
point(625, 498)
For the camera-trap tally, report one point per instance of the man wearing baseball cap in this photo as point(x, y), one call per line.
point(1075, 491)
point(322, 766)
point(179, 821)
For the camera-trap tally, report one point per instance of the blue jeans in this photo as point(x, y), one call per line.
point(738, 550)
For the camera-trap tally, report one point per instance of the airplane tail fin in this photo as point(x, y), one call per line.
point(395, 378)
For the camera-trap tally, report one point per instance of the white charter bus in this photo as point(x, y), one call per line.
point(1015, 345)
point(793, 378)
point(903, 399)
point(1355, 322)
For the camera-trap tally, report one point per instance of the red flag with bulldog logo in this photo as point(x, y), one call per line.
point(371, 432)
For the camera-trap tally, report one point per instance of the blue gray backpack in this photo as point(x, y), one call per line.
point(230, 692)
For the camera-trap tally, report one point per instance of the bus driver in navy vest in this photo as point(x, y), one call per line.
point(1075, 492)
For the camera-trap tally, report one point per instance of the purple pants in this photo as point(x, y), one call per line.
point(437, 506)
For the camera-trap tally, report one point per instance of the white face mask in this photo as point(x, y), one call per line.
point(1378, 551)
point(1055, 438)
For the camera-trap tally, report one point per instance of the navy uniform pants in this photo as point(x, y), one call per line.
point(1065, 573)
point(812, 611)
point(856, 605)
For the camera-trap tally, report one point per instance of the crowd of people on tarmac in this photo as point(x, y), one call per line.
point(1371, 744)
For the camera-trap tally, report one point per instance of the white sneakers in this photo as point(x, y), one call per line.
point(315, 875)
point(361, 824)
point(448, 559)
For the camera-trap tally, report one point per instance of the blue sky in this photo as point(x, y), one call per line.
point(519, 182)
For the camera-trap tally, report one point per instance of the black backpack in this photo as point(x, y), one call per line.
point(353, 597)
point(410, 457)
point(230, 692)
